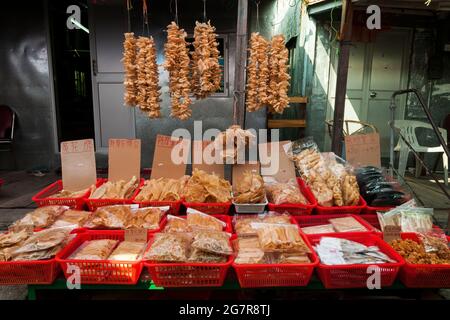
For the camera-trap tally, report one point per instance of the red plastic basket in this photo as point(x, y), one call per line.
point(276, 275)
point(297, 209)
point(356, 275)
point(211, 208)
point(310, 221)
point(188, 274)
point(342, 210)
point(96, 203)
point(28, 272)
point(99, 271)
point(424, 275)
point(43, 197)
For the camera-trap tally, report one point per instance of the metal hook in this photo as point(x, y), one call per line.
point(257, 2)
point(176, 12)
point(204, 11)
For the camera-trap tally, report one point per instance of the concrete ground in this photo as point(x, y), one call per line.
point(19, 187)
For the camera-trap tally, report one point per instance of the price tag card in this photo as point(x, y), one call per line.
point(78, 164)
point(275, 162)
point(391, 233)
point(204, 158)
point(136, 235)
point(170, 157)
point(363, 150)
point(124, 159)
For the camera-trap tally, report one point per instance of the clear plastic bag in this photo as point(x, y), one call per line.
point(347, 224)
point(249, 251)
point(280, 238)
point(417, 220)
point(72, 218)
point(212, 241)
point(169, 247)
point(325, 228)
point(111, 217)
point(147, 218)
point(243, 223)
point(176, 224)
point(41, 218)
point(283, 193)
point(128, 251)
point(199, 220)
point(95, 250)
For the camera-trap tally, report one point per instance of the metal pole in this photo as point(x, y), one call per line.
point(341, 76)
point(241, 59)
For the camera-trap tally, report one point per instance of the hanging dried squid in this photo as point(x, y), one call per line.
point(206, 71)
point(129, 62)
point(177, 64)
point(279, 76)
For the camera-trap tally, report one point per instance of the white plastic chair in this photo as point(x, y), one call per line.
point(408, 130)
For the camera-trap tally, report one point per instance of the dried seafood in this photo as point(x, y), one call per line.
point(94, 250)
point(42, 217)
point(115, 190)
point(110, 217)
point(72, 218)
point(147, 218)
point(284, 193)
point(232, 142)
point(206, 71)
point(128, 251)
point(129, 62)
point(177, 64)
point(162, 189)
point(279, 76)
point(204, 187)
point(250, 189)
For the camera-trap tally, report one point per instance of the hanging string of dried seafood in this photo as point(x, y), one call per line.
point(257, 73)
point(129, 63)
point(206, 71)
point(151, 71)
point(279, 76)
point(177, 64)
point(142, 44)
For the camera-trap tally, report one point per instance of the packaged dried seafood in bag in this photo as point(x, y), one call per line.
point(206, 70)
point(210, 188)
point(347, 224)
point(9, 239)
point(147, 218)
point(162, 189)
point(280, 238)
point(115, 190)
point(199, 256)
point(416, 253)
point(129, 64)
point(243, 223)
point(417, 220)
point(169, 247)
point(199, 220)
point(42, 217)
point(75, 218)
point(291, 258)
point(283, 193)
point(177, 64)
point(249, 251)
point(176, 225)
point(128, 251)
point(43, 240)
point(249, 189)
point(436, 241)
point(338, 251)
point(212, 241)
point(110, 217)
point(95, 250)
point(325, 228)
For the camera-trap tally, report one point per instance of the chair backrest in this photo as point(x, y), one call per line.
point(409, 129)
point(6, 122)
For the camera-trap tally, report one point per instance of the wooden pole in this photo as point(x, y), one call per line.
point(341, 76)
point(241, 59)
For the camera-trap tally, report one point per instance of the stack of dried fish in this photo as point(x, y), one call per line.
point(206, 72)
point(257, 72)
point(147, 77)
point(42, 217)
point(129, 61)
point(279, 76)
point(115, 190)
point(204, 187)
point(232, 142)
point(162, 189)
point(177, 64)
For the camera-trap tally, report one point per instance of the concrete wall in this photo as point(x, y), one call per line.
point(25, 84)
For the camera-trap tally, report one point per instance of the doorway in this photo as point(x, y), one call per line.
point(72, 72)
point(376, 70)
